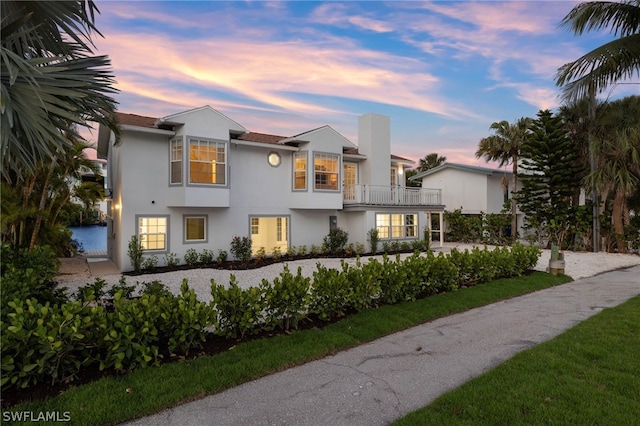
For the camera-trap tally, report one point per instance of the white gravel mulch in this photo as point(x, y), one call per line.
point(577, 265)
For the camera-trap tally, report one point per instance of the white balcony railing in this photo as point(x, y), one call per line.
point(391, 195)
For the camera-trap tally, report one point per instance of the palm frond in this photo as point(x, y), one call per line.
point(623, 18)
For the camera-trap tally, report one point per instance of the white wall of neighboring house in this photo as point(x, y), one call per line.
point(474, 190)
point(257, 198)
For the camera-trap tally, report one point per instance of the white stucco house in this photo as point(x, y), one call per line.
point(474, 190)
point(197, 178)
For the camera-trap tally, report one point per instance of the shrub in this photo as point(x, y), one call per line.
point(335, 241)
point(302, 251)
point(241, 248)
point(463, 228)
point(30, 274)
point(150, 262)
point(286, 300)
point(374, 239)
point(206, 257)
point(292, 251)
point(171, 260)
point(135, 253)
point(330, 292)
point(191, 257)
point(237, 312)
point(185, 322)
point(222, 256)
point(277, 253)
point(261, 254)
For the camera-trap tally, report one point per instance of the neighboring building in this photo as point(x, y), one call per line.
point(197, 178)
point(474, 190)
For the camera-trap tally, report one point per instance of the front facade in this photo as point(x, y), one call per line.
point(197, 179)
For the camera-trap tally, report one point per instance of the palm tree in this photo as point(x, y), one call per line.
point(611, 62)
point(430, 161)
point(50, 82)
point(504, 146)
point(617, 146)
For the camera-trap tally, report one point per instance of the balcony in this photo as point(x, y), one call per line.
point(375, 195)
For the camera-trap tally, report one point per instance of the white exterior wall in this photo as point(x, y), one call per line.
point(139, 176)
point(460, 189)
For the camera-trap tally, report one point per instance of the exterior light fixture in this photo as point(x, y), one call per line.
point(274, 159)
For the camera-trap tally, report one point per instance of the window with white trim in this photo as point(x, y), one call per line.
point(255, 226)
point(195, 229)
point(325, 167)
point(175, 175)
point(152, 233)
point(300, 171)
point(391, 225)
point(207, 162)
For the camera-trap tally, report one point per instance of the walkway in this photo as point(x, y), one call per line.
point(376, 383)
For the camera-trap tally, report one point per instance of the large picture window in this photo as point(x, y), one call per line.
point(195, 229)
point(152, 233)
point(326, 169)
point(176, 161)
point(396, 225)
point(300, 171)
point(207, 162)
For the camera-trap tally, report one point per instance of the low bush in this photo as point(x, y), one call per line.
point(191, 257)
point(45, 341)
point(241, 248)
point(335, 242)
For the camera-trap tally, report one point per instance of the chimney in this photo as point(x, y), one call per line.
point(374, 141)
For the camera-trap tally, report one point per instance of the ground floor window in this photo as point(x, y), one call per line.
point(397, 225)
point(152, 232)
point(269, 233)
point(195, 229)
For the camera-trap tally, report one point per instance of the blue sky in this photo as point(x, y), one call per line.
point(443, 71)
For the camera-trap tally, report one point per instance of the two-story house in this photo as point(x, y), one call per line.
point(197, 178)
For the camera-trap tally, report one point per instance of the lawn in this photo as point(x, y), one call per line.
point(588, 375)
point(118, 399)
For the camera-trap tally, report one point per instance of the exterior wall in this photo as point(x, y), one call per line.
point(460, 189)
point(495, 193)
point(139, 177)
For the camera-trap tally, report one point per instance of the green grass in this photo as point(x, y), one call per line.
point(156, 388)
point(589, 375)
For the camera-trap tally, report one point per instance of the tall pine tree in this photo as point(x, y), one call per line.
point(550, 174)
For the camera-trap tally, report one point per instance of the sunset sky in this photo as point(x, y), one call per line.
point(443, 71)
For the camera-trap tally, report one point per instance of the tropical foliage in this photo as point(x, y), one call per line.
point(616, 146)
point(504, 146)
point(51, 87)
point(550, 167)
point(50, 82)
point(431, 161)
point(616, 60)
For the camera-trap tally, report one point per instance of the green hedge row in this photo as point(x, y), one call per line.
point(44, 341)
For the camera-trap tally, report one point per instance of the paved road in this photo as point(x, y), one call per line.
point(379, 382)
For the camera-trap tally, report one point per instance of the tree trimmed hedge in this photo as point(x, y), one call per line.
point(51, 342)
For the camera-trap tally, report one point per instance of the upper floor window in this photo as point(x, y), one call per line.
point(207, 162)
point(176, 161)
point(325, 167)
point(300, 170)
point(393, 176)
